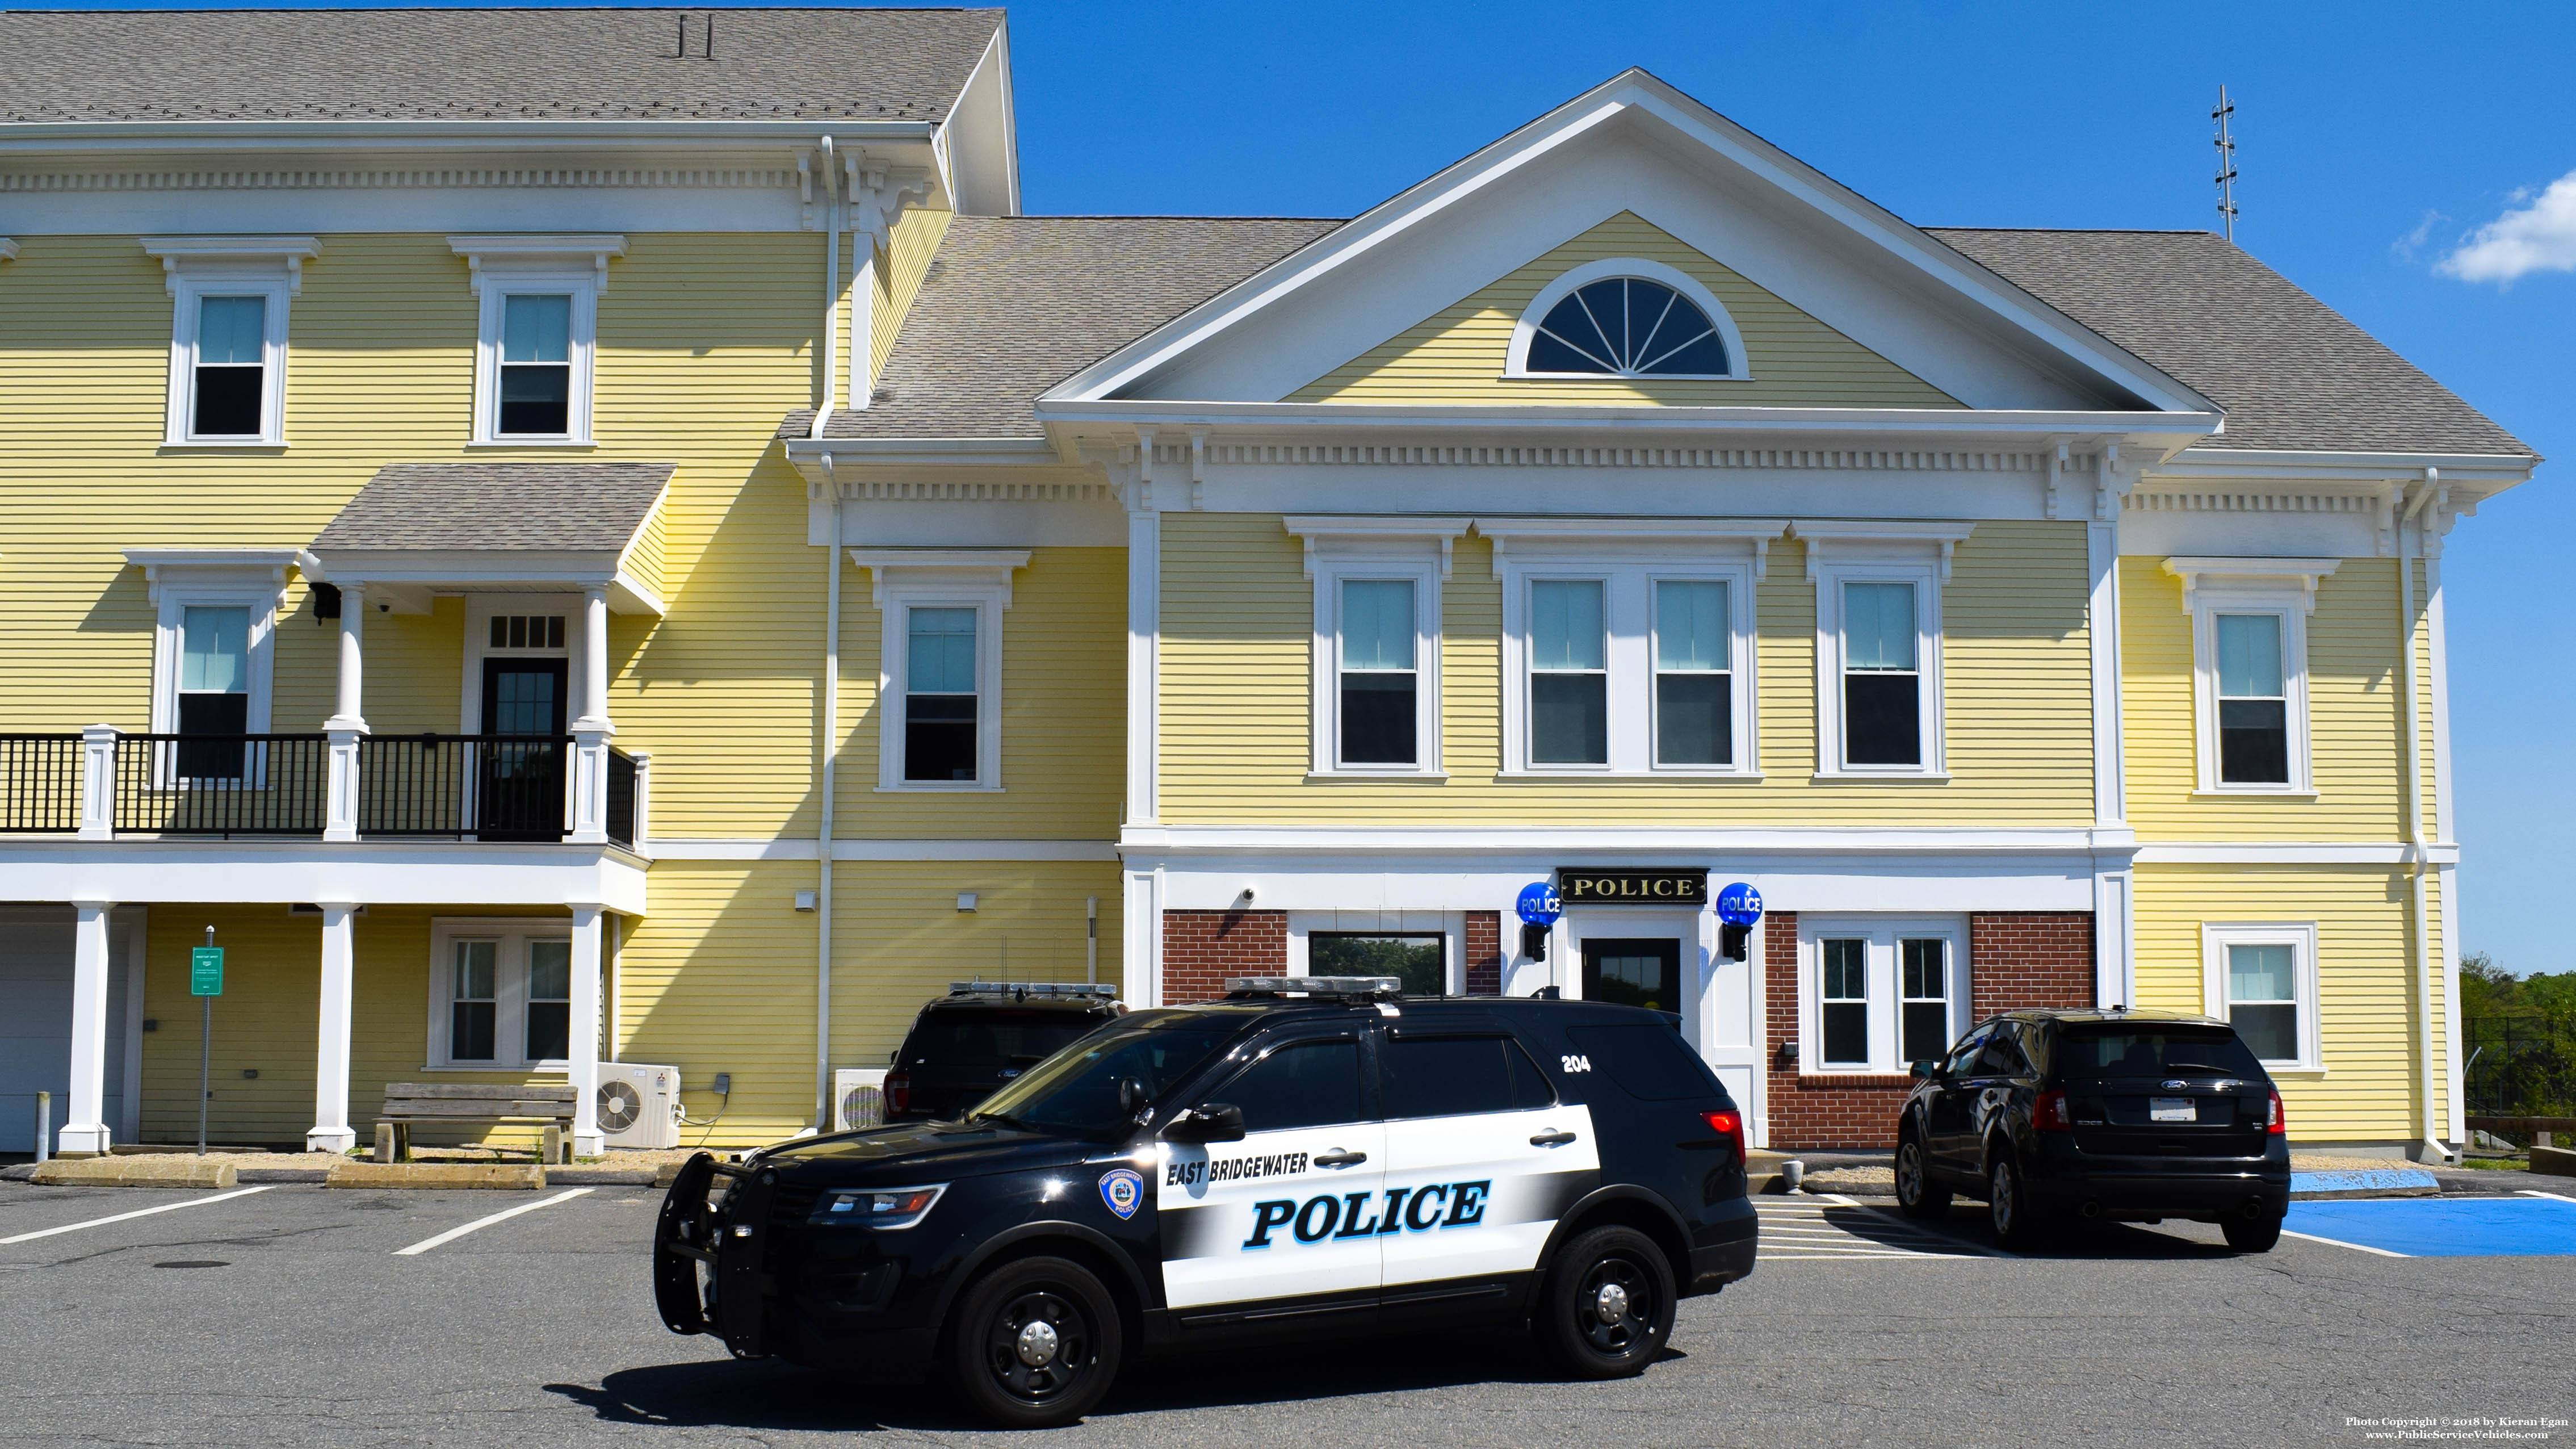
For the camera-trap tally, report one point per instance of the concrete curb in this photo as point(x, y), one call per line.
point(134, 1172)
point(2554, 1161)
point(523, 1177)
point(600, 1176)
point(284, 1174)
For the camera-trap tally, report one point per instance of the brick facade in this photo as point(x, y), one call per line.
point(1483, 950)
point(1202, 948)
point(2015, 960)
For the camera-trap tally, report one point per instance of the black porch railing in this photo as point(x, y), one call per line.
point(222, 784)
point(621, 797)
point(490, 787)
point(40, 782)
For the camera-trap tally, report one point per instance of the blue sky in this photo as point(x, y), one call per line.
point(2374, 139)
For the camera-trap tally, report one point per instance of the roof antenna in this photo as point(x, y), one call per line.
point(2226, 163)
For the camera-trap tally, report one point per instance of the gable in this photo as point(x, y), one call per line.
point(1458, 355)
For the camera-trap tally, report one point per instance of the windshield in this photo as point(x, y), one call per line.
point(979, 1044)
point(2195, 1051)
point(1076, 1090)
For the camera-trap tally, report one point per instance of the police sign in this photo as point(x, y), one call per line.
point(1581, 886)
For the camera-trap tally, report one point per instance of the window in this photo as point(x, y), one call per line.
point(1878, 645)
point(1379, 687)
point(536, 344)
point(1652, 1061)
point(1881, 992)
point(536, 365)
point(527, 631)
point(1420, 961)
point(229, 300)
point(1694, 711)
point(2253, 701)
point(1302, 1084)
point(939, 679)
point(1628, 648)
point(1882, 689)
point(215, 612)
point(2263, 981)
point(939, 695)
point(214, 689)
point(501, 994)
point(1626, 317)
point(1569, 680)
point(2249, 669)
point(1460, 1076)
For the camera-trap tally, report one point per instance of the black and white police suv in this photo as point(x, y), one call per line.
point(1310, 1156)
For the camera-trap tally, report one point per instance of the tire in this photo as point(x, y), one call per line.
point(1918, 1194)
point(1049, 1310)
point(2252, 1235)
point(1608, 1308)
point(2016, 1222)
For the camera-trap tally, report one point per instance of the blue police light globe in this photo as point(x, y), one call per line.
point(1739, 905)
point(1538, 904)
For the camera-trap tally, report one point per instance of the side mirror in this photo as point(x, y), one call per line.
point(1215, 1122)
point(1131, 1095)
point(1924, 1071)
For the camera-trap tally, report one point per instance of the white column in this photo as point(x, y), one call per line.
point(84, 1129)
point(591, 732)
point(2114, 951)
point(331, 1131)
point(594, 658)
point(98, 783)
point(582, 1069)
point(1144, 656)
point(348, 721)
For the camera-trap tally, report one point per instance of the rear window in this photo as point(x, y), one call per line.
point(1650, 1061)
point(2164, 1051)
point(979, 1045)
point(1459, 1076)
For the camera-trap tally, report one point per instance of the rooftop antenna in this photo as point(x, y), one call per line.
point(2226, 163)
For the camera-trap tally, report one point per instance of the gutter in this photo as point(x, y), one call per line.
point(830, 750)
point(2418, 908)
point(42, 137)
point(831, 347)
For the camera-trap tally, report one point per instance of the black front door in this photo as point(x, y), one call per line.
point(520, 789)
point(1645, 971)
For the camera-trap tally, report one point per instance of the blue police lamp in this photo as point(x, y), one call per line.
point(1739, 907)
point(1539, 908)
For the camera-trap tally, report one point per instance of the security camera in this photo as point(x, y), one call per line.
point(1248, 893)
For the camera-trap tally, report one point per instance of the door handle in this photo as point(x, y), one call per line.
point(1551, 1139)
point(1338, 1158)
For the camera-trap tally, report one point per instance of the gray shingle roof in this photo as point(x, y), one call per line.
point(2291, 371)
point(529, 64)
point(499, 506)
point(1014, 305)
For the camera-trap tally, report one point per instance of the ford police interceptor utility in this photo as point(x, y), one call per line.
point(1310, 1156)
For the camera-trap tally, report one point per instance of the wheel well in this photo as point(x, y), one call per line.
point(1628, 1212)
point(1111, 1274)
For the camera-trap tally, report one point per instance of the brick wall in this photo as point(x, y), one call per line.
point(2016, 959)
point(1483, 953)
point(1202, 948)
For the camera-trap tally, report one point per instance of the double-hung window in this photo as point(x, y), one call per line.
point(228, 336)
point(536, 343)
point(1882, 685)
point(1880, 992)
point(230, 389)
point(2250, 670)
point(536, 366)
point(1375, 651)
point(1380, 681)
point(939, 681)
point(1569, 673)
point(1694, 673)
point(213, 637)
point(214, 690)
point(1878, 646)
point(939, 701)
point(2262, 979)
point(501, 994)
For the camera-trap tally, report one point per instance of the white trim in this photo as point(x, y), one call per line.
point(188, 291)
point(540, 265)
point(1882, 975)
point(173, 596)
point(2284, 588)
point(1556, 842)
point(2102, 625)
point(1881, 557)
point(2290, 852)
point(542, 253)
point(1144, 673)
point(514, 935)
point(902, 580)
point(1740, 368)
point(1341, 550)
point(2301, 938)
point(1449, 926)
point(479, 612)
point(264, 871)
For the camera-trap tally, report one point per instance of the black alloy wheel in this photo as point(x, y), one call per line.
point(1610, 1304)
point(1037, 1343)
point(2016, 1222)
point(1916, 1193)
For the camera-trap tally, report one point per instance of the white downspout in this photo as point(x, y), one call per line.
point(831, 295)
point(831, 750)
point(2416, 904)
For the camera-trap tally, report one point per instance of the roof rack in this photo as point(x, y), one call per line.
point(1025, 989)
point(1359, 988)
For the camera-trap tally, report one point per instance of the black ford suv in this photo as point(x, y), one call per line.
point(2127, 1115)
point(969, 1044)
point(1309, 1157)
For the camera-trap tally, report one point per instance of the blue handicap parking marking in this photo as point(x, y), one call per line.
point(2438, 1228)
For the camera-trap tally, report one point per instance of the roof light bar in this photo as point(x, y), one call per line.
point(1367, 988)
point(1031, 988)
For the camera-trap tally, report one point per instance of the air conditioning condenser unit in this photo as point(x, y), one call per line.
point(639, 1106)
point(858, 1098)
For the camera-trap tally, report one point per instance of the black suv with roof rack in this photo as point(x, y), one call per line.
point(974, 1041)
point(2126, 1115)
point(1309, 1157)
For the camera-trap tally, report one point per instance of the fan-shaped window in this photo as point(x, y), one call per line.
point(1628, 327)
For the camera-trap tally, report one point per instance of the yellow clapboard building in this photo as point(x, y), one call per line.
point(601, 548)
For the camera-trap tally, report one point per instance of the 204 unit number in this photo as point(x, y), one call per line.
point(1574, 1064)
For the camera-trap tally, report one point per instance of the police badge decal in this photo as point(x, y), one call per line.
point(1123, 1190)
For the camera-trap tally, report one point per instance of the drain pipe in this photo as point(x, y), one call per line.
point(2417, 904)
point(831, 295)
point(831, 750)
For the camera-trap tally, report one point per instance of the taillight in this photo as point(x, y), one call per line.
point(1728, 1124)
point(2048, 1114)
point(2279, 1123)
point(898, 1092)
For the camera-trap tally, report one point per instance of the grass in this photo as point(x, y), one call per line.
point(2497, 1164)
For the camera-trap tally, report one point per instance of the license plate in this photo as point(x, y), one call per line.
point(2172, 1109)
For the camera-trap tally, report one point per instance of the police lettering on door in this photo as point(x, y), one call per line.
point(1348, 1215)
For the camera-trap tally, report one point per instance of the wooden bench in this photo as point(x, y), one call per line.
point(2541, 1130)
point(444, 1103)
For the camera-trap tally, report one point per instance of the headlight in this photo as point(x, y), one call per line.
point(899, 1207)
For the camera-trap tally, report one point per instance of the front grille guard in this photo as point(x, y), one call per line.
point(729, 1239)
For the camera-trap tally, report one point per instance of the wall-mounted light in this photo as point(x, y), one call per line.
point(966, 900)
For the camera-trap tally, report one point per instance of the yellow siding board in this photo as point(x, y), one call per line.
point(1458, 354)
point(720, 978)
point(916, 240)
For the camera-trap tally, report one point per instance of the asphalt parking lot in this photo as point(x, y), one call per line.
point(299, 1315)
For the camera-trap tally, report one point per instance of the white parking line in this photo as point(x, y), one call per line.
point(2552, 1196)
point(1803, 1230)
point(2340, 1243)
point(137, 1213)
point(452, 1234)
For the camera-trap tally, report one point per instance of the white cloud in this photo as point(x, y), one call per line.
point(2537, 235)
point(2406, 247)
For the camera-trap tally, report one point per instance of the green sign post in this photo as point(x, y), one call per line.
point(205, 982)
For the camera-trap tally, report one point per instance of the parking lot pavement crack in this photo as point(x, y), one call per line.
point(253, 1240)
